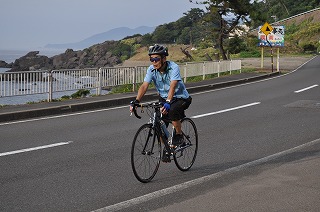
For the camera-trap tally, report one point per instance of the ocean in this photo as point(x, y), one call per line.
point(35, 98)
point(17, 100)
point(10, 56)
point(2, 70)
point(20, 100)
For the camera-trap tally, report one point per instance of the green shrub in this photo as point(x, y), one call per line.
point(309, 47)
point(121, 89)
point(65, 97)
point(252, 53)
point(80, 93)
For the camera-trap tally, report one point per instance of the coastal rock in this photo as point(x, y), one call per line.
point(66, 60)
point(3, 64)
point(99, 55)
point(30, 62)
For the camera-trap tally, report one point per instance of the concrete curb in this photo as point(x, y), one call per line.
point(76, 107)
point(214, 86)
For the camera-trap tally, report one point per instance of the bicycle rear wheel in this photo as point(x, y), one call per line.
point(145, 153)
point(185, 154)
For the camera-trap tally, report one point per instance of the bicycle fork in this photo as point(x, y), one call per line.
point(150, 135)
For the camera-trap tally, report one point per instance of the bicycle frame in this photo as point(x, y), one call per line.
point(156, 126)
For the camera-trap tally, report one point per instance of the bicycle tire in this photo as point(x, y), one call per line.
point(185, 154)
point(145, 153)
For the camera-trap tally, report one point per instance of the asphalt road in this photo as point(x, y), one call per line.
point(81, 162)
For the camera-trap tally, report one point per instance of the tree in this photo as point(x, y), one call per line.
point(275, 10)
point(226, 15)
point(190, 27)
point(236, 45)
point(282, 9)
point(165, 33)
point(181, 31)
point(146, 40)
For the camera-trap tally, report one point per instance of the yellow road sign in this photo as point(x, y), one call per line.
point(266, 28)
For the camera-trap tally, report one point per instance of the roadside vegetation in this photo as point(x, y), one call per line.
point(209, 35)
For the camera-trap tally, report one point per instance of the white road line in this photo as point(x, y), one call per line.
point(34, 148)
point(304, 89)
point(61, 116)
point(204, 179)
point(226, 110)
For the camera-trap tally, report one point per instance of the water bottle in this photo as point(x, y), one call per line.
point(164, 129)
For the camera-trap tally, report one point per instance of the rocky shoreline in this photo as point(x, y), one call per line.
point(4, 64)
point(94, 56)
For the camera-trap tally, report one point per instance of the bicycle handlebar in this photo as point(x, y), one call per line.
point(134, 108)
point(146, 105)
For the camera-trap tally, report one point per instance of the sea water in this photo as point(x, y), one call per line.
point(34, 98)
point(10, 56)
point(2, 70)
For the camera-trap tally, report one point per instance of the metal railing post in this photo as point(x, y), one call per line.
point(50, 86)
point(134, 79)
point(185, 73)
point(99, 86)
point(204, 71)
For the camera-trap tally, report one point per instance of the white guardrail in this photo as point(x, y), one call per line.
point(42, 82)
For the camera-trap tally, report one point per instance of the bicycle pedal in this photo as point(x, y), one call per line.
point(166, 158)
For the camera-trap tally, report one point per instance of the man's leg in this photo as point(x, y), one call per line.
point(177, 137)
point(177, 126)
point(176, 114)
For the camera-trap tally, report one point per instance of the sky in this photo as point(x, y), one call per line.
point(31, 24)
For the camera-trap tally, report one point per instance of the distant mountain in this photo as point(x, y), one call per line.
point(114, 34)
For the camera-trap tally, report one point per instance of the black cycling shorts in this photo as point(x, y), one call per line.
point(177, 108)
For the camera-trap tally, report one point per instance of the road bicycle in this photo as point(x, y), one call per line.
point(153, 139)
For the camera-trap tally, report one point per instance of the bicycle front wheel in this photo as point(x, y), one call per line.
point(185, 154)
point(145, 153)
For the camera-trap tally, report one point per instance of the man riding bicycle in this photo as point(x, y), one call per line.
point(166, 77)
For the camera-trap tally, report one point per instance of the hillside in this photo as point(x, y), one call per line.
point(141, 57)
point(297, 34)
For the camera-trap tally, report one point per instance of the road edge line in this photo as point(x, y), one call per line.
point(182, 186)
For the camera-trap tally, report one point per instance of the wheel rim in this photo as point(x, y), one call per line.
point(185, 155)
point(145, 159)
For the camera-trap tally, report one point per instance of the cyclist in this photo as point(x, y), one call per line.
point(166, 77)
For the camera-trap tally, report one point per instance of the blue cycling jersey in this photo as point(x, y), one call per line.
point(162, 81)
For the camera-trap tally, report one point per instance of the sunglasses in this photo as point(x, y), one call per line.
point(154, 59)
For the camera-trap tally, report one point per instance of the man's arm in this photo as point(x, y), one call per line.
point(173, 85)
point(142, 90)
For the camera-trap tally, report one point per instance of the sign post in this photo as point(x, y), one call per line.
point(267, 29)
